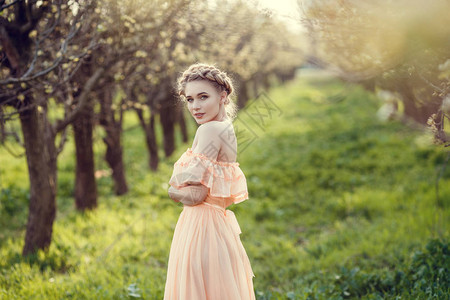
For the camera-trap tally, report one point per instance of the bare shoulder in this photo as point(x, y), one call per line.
point(213, 128)
point(211, 136)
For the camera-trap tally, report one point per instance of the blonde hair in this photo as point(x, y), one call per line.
point(220, 80)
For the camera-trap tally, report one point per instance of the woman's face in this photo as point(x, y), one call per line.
point(204, 102)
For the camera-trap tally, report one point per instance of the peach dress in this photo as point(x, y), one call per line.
point(207, 260)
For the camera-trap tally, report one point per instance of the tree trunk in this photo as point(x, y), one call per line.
point(266, 82)
point(114, 158)
point(151, 142)
point(85, 185)
point(114, 152)
point(409, 101)
point(410, 108)
point(255, 86)
point(419, 111)
point(242, 96)
point(150, 138)
point(41, 155)
point(2, 127)
point(182, 122)
point(167, 119)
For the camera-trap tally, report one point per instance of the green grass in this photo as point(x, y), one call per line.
point(341, 206)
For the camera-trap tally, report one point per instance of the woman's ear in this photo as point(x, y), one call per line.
point(223, 97)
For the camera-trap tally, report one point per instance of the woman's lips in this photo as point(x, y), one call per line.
point(198, 115)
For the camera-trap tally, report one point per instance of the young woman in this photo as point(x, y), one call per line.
point(207, 260)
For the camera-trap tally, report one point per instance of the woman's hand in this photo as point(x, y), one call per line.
point(189, 195)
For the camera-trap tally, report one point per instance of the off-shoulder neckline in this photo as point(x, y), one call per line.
point(221, 163)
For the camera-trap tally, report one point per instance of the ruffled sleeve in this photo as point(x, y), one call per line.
point(224, 179)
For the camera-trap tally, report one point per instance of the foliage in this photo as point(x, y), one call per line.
point(396, 46)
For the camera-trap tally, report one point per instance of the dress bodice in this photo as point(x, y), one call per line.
point(226, 181)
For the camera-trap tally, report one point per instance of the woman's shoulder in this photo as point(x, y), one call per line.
point(214, 125)
point(214, 130)
point(214, 138)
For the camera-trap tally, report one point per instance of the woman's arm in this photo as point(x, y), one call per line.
point(190, 195)
point(208, 143)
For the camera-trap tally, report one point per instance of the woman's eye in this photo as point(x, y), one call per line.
point(204, 97)
point(188, 100)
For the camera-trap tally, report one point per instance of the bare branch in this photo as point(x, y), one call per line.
point(16, 138)
point(45, 34)
point(62, 141)
point(11, 151)
point(72, 33)
point(83, 99)
point(430, 83)
point(7, 117)
point(39, 74)
point(5, 6)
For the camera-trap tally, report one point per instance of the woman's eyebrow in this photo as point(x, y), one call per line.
point(198, 94)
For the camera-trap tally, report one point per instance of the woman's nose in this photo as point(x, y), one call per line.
point(196, 104)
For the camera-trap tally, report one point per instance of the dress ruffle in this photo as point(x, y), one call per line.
point(224, 179)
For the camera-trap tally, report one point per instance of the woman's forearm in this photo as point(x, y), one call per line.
point(189, 195)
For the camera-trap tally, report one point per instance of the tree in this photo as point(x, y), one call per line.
point(252, 46)
point(35, 73)
point(398, 46)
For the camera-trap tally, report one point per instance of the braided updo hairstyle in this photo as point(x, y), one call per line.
point(220, 80)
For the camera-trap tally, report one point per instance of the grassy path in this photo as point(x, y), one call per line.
point(339, 204)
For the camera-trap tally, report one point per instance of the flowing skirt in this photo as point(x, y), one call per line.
point(207, 260)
